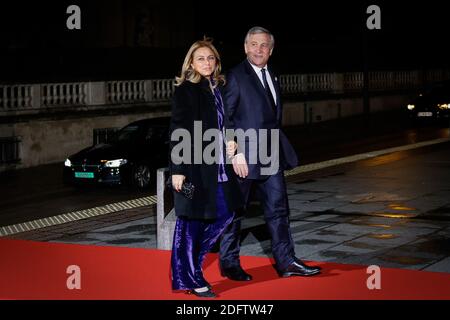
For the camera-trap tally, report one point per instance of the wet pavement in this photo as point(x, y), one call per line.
point(392, 211)
point(39, 192)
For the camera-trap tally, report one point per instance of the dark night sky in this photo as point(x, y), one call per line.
point(331, 32)
point(310, 36)
point(291, 21)
point(327, 19)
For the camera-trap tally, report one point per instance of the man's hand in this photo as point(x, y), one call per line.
point(177, 181)
point(231, 148)
point(240, 165)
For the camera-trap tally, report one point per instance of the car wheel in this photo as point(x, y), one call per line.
point(141, 176)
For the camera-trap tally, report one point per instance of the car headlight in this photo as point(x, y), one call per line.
point(411, 106)
point(115, 163)
point(444, 106)
point(67, 163)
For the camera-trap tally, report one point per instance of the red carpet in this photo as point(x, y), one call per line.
point(37, 270)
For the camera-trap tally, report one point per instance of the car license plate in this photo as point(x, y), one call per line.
point(88, 175)
point(425, 114)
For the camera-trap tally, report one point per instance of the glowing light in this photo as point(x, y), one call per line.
point(382, 236)
point(115, 163)
point(399, 207)
point(394, 215)
point(380, 225)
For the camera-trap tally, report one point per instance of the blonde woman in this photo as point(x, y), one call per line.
point(202, 218)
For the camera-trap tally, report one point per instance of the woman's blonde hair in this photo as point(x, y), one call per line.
point(189, 74)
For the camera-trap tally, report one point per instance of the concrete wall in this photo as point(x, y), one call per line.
point(322, 110)
point(51, 141)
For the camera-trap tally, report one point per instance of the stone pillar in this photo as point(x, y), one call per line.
point(35, 94)
point(165, 224)
point(338, 83)
point(96, 93)
point(148, 89)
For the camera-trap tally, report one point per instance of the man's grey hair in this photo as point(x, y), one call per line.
point(256, 30)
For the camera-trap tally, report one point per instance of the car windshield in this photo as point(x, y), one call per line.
point(127, 135)
point(139, 133)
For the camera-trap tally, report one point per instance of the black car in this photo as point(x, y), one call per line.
point(131, 156)
point(433, 105)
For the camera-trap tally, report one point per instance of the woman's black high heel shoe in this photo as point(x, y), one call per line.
point(205, 294)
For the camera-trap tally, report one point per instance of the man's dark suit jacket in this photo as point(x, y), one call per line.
point(248, 107)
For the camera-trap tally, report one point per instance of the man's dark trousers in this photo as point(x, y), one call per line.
point(276, 213)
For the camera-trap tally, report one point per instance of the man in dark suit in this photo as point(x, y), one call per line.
point(252, 102)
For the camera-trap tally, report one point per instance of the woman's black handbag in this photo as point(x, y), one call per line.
point(187, 189)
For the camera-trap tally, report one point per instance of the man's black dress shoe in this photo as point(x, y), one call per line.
point(300, 262)
point(297, 268)
point(236, 274)
point(205, 294)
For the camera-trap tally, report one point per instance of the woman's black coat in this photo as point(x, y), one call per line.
point(195, 102)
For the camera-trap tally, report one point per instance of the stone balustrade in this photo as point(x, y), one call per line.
point(28, 97)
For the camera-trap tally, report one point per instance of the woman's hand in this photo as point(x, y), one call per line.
point(177, 181)
point(231, 148)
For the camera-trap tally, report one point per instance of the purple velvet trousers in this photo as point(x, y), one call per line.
point(192, 240)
